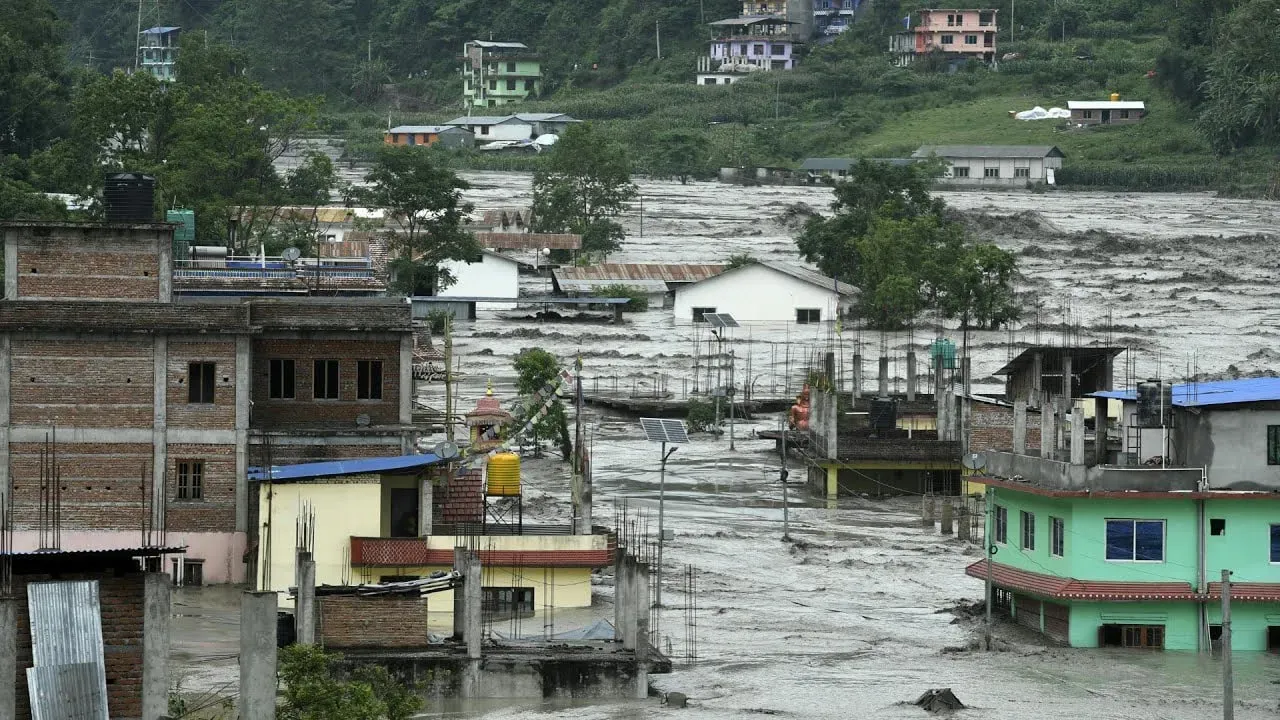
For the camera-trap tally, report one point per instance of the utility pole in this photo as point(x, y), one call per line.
point(448, 379)
point(1013, 4)
point(991, 551)
point(662, 533)
point(1228, 690)
point(786, 520)
point(657, 36)
point(731, 392)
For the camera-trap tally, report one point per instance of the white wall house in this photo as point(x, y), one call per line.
point(488, 129)
point(995, 164)
point(494, 276)
point(766, 292)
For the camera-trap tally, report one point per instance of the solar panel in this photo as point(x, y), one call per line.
point(661, 430)
point(720, 320)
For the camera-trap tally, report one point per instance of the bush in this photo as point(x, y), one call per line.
point(637, 300)
point(701, 416)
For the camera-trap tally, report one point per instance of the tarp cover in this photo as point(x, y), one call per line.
point(1039, 113)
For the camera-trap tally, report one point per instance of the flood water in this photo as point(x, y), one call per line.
point(853, 617)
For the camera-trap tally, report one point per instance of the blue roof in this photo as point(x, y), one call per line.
point(1219, 392)
point(335, 468)
point(159, 30)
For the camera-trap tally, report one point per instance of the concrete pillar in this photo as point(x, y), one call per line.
point(628, 603)
point(156, 611)
point(459, 601)
point(948, 517)
point(619, 593)
point(1077, 436)
point(1020, 427)
point(1037, 379)
point(911, 375)
point(165, 270)
point(883, 390)
point(406, 379)
point(857, 375)
point(1061, 411)
point(244, 379)
point(1046, 430)
point(926, 510)
point(1100, 450)
point(474, 599)
point(425, 500)
point(8, 657)
point(1067, 376)
point(159, 429)
point(6, 365)
point(966, 409)
point(11, 269)
point(962, 520)
point(304, 612)
point(833, 482)
point(257, 656)
point(828, 367)
point(642, 645)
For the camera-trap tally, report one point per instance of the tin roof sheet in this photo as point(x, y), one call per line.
point(402, 129)
point(529, 241)
point(337, 468)
point(640, 272)
point(988, 151)
point(1106, 105)
point(64, 692)
point(1220, 392)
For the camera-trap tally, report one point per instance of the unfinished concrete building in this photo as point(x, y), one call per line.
point(160, 405)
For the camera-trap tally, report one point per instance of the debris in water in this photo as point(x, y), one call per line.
point(939, 700)
point(676, 700)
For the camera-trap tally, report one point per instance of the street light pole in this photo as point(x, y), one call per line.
point(662, 533)
point(786, 520)
point(991, 549)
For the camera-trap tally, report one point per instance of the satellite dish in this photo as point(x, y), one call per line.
point(445, 450)
point(974, 461)
point(362, 420)
point(291, 254)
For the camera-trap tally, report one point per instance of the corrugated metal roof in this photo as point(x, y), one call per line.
point(1220, 392)
point(496, 44)
point(160, 30)
point(529, 241)
point(847, 163)
point(811, 276)
point(413, 552)
point(988, 151)
point(1106, 105)
point(336, 468)
point(146, 551)
point(66, 622)
point(590, 286)
point(67, 692)
point(483, 120)
point(545, 117)
point(639, 272)
point(755, 20)
point(403, 129)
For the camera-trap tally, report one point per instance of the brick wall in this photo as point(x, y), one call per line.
point(462, 498)
point(216, 510)
point(350, 621)
point(991, 428)
point(102, 484)
point(181, 413)
point(68, 262)
point(88, 382)
point(121, 598)
point(303, 411)
point(293, 454)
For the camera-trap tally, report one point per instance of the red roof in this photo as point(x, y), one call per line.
point(413, 552)
point(1245, 592)
point(1059, 588)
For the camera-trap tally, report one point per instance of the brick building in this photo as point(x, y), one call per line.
point(161, 404)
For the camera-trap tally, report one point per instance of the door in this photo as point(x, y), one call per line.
point(1106, 117)
point(404, 512)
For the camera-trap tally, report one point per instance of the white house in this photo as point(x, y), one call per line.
point(489, 128)
point(766, 292)
point(995, 164)
point(494, 276)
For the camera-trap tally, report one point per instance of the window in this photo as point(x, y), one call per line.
point(951, 20)
point(511, 67)
point(970, 39)
point(1273, 444)
point(805, 316)
point(1217, 526)
point(511, 84)
point(506, 601)
point(742, 49)
point(1135, 540)
point(948, 39)
point(493, 84)
point(757, 49)
point(190, 479)
point(991, 172)
point(1139, 636)
point(960, 172)
point(1124, 114)
point(1022, 172)
point(325, 381)
point(192, 573)
point(484, 129)
point(698, 312)
point(1057, 535)
point(280, 379)
point(528, 85)
point(709, 81)
point(778, 49)
point(200, 382)
point(369, 380)
point(1275, 543)
point(1028, 527)
point(1086, 114)
point(1002, 524)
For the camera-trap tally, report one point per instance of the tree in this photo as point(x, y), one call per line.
point(738, 260)
point(537, 369)
point(313, 689)
point(680, 154)
point(33, 82)
point(587, 183)
point(423, 201)
point(1242, 91)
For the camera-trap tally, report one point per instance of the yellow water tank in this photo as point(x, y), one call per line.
point(1115, 97)
point(504, 475)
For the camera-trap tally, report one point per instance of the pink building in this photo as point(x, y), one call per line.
point(954, 33)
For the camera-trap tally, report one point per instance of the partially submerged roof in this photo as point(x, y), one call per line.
point(988, 151)
point(425, 129)
point(1220, 392)
point(338, 468)
point(648, 277)
point(495, 44)
point(1051, 357)
point(529, 241)
point(1106, 105)
point(812, 277)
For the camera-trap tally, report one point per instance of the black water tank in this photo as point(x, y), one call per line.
point(286, 631)
point(884, 414)
point(1154, 404)
point(130, 198)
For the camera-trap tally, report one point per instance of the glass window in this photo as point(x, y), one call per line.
point(757, 49)
point(778, 49)
point(280, 373)
point(1028, 523)
point(806, 316)
point(1135, 540)
point(511, 84)
point(511, 67)
point(369, 380)
point(970, 39)
point(1022, 172)
point(200, 382)
point(948, 39)
point(960, 172)
point(1273, 444)
point(1275, 543)
point(1057, 535)
point(1002, 524)
point(991, 172)
point(190, 479)
point(325, 381)
point(1124, 114)
point(698, 312)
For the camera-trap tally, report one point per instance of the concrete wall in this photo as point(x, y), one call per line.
point(444, 678)
point(561, 587)
point(343, 508)
point(1111, 117)
point(1179, 621)
point(1232, 443)
point(756, 293)
point(493, 276)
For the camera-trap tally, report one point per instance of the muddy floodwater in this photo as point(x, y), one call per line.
point(858, 613)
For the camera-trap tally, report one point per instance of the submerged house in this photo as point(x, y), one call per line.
point(1122, 540)
point(995, 164)
point(766, 291)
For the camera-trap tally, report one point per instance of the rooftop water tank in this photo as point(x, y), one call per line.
point(129, 198)
point(943, 353)
point(1155, 404)
point(504, 475)
point(884, 414)
point(185, 234)
point(1115, 97)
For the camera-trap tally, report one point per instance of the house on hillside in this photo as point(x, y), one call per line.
point(488, 128)
point(1107, 112)
point(158, 52)
point(832, 17)
point(449, 136)
point(547, 123)
point(492, 276)
point(498, 73)
point(995, 164)
point(745, 45)
point(656, 280)
point(766, 292)
point(955, 34)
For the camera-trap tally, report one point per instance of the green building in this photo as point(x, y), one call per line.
point(158, 52)
point(498, 73)
point(1130, 552)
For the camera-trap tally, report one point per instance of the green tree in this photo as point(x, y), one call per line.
point(33, 82)
point(423, 201)
point(1243, 87)
point(313, 688)
point(587, 183)
point(637, 301)
point(980, 289)
point(681, 154)
point(738, 260)
point(536, 369)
